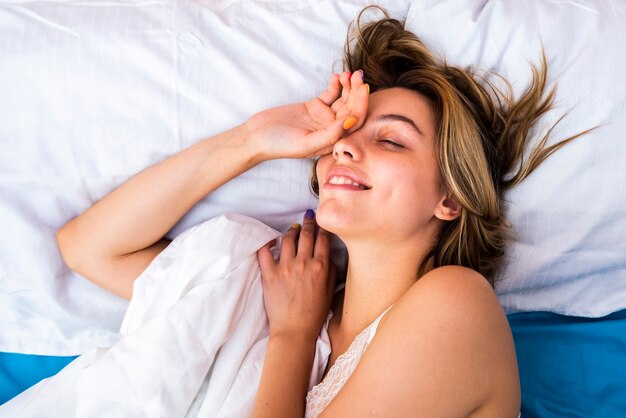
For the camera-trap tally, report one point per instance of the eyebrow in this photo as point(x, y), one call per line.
point(398, 118)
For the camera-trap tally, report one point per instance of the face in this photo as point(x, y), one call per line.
point(382, 180)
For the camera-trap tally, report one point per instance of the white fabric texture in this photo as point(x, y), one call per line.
point(94, 92)
point(568, 252)
point(323, 393)
point(192, 342)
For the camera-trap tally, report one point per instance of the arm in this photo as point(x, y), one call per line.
point(285, 377)
point(447, 351)
point(298, 289)
point(297, 292)
point(112, 242)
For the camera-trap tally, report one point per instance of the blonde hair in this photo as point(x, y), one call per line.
point(481, 134)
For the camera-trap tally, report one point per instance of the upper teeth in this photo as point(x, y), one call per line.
point(344, 180)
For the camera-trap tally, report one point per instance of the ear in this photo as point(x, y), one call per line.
point(448, 209)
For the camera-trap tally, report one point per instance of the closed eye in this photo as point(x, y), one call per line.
point(390, 143)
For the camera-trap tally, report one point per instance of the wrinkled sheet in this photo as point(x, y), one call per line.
point(192, 342)
point(92, 92)
point(567, 252)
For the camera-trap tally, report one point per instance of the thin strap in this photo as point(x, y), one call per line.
point(374, 325)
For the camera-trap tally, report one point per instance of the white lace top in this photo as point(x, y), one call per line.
point(322, 394)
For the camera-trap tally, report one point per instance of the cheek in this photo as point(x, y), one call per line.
point(417, 190)
point(322, 167)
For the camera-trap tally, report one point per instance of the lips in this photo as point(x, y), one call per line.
point(341, 176)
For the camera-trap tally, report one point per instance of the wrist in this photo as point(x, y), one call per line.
point(246, 133)
point(243, 139)
point(294, 338)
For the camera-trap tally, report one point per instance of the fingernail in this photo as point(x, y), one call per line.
point(295, 226)
point(349, 123)
point(309, 214)
point(362, 75)
point(368, 88)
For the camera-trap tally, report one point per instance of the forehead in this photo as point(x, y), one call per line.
point(404, 102)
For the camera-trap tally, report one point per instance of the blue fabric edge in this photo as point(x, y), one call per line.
point(18, 371)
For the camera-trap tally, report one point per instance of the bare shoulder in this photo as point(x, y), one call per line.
point(458, 302)
point(453, 297)
point(453, 288)
point(447, 350)
point(457, 311)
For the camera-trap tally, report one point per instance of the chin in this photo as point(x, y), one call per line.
point(325, 220)
point(342, 223)
point(331, 220)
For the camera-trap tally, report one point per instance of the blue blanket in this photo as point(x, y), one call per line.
point(18, 372)
point(571, 367)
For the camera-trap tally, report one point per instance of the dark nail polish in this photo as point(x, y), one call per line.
point(309, 214)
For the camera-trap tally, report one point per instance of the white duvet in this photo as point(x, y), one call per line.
point(192, 341)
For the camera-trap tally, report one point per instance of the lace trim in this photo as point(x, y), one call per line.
point(320, 396)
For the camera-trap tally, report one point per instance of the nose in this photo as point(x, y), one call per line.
point(347, 147)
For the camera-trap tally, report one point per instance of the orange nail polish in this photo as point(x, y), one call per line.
point(295, 226)
point(349, 123)
point(368, 88)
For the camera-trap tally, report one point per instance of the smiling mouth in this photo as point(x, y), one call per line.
point(343, 180)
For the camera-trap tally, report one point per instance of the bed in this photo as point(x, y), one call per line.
point(93, 92)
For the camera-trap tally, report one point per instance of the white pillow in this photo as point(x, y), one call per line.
point(568, 217)
point(94, 92)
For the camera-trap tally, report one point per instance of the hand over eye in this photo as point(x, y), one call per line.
point(347, 95)
point(311, 128)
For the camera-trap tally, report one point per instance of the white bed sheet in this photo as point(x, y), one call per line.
point(93, 92)
point(568, 218)
point(192, 342)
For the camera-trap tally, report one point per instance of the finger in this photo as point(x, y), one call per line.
point(345, 84)
point(266, 260)
point(307, 235)
point(324, 139)
point(356, 80)
point(322, 244)
point(336, 105)
point(327, 150)
point(357, 92)
point(360, 102)
point(288, 246)
point(346, 105)
point(332, 92)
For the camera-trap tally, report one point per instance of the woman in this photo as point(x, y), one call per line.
point(416, 156)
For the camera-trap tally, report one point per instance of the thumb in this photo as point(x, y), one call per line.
point(323, 139)
point(266, 260)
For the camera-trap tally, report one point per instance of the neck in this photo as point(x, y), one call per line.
point(378, 275)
